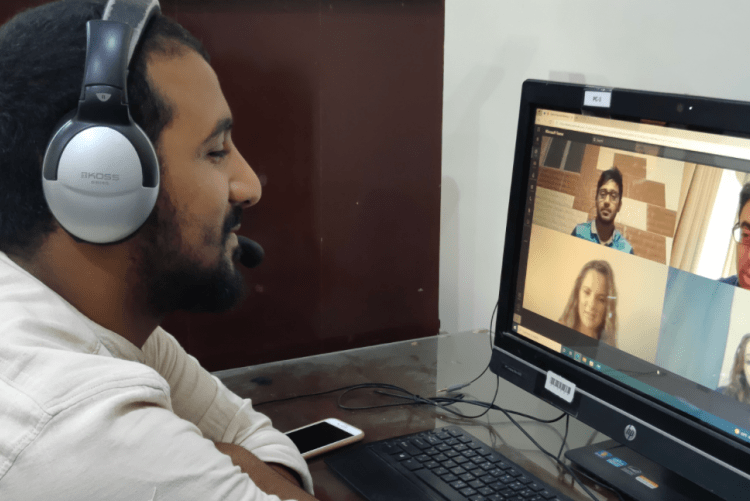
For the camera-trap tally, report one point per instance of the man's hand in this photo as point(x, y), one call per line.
point(270, 478)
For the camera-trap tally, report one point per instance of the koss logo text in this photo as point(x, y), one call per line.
point(100, 176)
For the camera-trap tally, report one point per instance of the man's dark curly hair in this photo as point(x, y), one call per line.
point(42, 55)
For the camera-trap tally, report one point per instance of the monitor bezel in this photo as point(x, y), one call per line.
point(679, 442)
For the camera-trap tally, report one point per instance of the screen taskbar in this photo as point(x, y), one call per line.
point(675, 402)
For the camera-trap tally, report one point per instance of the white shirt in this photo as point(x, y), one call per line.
point(86, 415)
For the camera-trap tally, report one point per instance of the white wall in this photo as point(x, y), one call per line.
point(492, 46)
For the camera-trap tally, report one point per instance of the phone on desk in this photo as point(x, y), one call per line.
point(324, 436)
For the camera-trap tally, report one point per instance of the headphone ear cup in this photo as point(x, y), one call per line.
point(100, 182)
point(100, 172)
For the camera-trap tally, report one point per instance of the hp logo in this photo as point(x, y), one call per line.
point(630, 432)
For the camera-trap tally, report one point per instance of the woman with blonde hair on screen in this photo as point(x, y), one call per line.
point(592, 306)
point(738, 387)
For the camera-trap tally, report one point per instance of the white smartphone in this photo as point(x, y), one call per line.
point(324, 436)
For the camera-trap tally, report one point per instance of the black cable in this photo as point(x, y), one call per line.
point(305, 395)
point(457, 387)
point(565, 437)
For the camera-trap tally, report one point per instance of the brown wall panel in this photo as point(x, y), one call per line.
point(339, 109)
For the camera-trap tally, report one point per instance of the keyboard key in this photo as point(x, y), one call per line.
point(440, 457)
point(449, 464)
point(516, 486)
point(432, 465)
point(411, 464)
point(467, 477)
point(513, 472)
point(420, 444)
point(423, 458)
point(432, 439)
point(454, 432)
point(409, 448)
point(467, 491)
point(389, 448)
point(401, 456)
point(535, 487)
point(443, 435)
point(477, 497)
point(523, 479)
point(498, 486)
point(458, 471)
point(486, 491)
point(477, 484)
point(460, 459)
point(458, 484)
point(450, 477)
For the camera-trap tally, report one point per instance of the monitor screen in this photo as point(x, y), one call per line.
point(625, 288)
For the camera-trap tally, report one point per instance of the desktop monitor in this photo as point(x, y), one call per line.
point(621, 295)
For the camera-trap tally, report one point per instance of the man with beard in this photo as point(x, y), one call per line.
point(96, 400)
point(608, 203)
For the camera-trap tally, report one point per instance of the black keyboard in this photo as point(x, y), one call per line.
point(444, 464)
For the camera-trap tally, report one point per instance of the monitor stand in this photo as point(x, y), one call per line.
point(631, 474)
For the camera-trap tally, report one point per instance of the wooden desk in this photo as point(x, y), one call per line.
point(422, 366)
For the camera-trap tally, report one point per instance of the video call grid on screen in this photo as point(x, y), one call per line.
point(665, 306)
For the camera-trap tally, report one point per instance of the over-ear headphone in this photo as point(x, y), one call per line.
point(100, 172)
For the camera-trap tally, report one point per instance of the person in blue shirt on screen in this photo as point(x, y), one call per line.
point(608, 203)
point(741, 235)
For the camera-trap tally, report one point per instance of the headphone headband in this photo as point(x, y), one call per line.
point(134, 13)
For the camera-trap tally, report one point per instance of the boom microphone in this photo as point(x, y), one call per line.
point(252, 253)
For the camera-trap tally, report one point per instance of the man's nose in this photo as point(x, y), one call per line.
point(245, 187)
